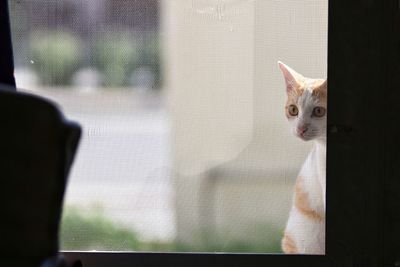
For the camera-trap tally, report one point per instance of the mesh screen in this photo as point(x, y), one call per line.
point(185, 143)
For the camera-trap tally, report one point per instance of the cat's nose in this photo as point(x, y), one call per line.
point(302, 129)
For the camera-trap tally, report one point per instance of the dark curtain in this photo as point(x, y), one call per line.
point(6, 54)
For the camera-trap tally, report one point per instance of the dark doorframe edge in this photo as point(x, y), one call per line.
point(391, 138)
point(6, 58)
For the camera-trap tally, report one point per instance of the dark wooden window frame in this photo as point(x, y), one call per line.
point(363, 161)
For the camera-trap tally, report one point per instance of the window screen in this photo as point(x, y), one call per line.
point(186, 143)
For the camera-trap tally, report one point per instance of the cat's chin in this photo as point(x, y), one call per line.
point(306, 138)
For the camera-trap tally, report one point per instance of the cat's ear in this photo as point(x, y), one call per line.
point(292, 78)
point(324, 85)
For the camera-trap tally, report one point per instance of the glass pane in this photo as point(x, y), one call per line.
point(194, 137)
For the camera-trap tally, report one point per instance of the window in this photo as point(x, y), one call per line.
point(162, 166)
point(341, 135)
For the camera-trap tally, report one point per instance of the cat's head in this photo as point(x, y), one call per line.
point(306, 104)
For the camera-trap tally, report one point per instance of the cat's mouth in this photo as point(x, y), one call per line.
point(305, 136)
point(308, 135)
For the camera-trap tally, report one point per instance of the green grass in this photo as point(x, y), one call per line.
point(94, 231)
point(261, 239)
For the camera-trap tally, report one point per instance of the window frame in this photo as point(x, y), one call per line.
point(362, 180)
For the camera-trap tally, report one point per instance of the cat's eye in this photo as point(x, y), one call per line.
point(319, 112)
point(293, 110)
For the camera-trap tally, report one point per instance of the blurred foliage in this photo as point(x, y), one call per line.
point(234, 247)
point(56, 52)
point(94, 231)
point(56, 55)
point(261, 238)
point(151, 58)
point(116, 55)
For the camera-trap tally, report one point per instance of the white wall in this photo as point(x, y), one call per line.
point(226, 99)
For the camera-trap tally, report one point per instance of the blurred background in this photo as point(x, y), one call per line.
point(185, 144)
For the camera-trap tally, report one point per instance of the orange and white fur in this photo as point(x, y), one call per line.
point(306, 112)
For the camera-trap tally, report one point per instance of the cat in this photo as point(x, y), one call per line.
point(305, 108)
